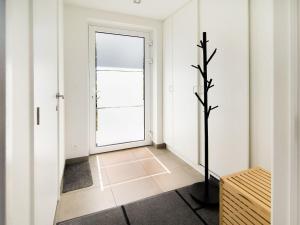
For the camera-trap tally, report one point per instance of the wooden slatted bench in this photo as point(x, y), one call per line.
point(245, 198)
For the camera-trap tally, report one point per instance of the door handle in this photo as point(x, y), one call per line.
point(38, 115)
point(60, 96)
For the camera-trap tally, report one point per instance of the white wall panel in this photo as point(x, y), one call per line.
point(226, 24)
point(261, 78)
point(19, 113)
point(180, 104)
point(2, 111)
point(185, 108)
point(168, 82)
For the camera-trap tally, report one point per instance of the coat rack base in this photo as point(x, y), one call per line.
point(207, 199)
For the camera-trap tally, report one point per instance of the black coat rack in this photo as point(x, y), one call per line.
point(206, 192)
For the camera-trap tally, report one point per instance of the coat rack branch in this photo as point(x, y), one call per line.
point(200, 69)
point(202, 102)
point(210, 86)
point(212, 55)
point(211, 109)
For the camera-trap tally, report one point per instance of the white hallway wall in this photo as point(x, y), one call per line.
point(76, 23)
point(181, 133)
point(2, 111)
point(19, 112)
point(261, 83)
point(229, 125)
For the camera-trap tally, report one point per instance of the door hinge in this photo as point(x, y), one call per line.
point(150, 133)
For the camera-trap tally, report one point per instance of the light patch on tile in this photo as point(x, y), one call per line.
point(111, 158)
point(157, 159)
point(171, 161)
point(136, 179)
point(126, 172)
point(176, 179)
point(152, 166)
point(142, 153)
point(102, 175)
point(126, 163)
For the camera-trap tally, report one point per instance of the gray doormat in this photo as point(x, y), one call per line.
point(171, 208)
point(77, 176)
point(165, 209)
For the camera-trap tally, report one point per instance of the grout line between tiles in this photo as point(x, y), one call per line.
point(125, 163)
point(114, 197)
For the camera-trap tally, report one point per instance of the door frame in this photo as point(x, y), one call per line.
point(147, 87)
point(295, 113)
point(286, 157)
point(2, 111)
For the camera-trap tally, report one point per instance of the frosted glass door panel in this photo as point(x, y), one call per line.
point(120, 88)
point(120, 125)
point(119, 51)
point(120, 106)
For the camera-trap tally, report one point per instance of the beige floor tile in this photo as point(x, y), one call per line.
point(119, 167)
point(142, 153)
point(176, 179)
point(117, 157)
point(75, 204)
point(136, 190)
point(152, 166)
point(194, 173)
point(125, 172)
point(156, 151)
point(171, 161)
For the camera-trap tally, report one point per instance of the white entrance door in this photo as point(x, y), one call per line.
point(120, 89)
point(45, 61)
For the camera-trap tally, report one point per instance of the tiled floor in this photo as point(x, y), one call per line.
point(126, 176)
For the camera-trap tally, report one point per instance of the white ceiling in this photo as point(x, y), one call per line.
point(156, 9)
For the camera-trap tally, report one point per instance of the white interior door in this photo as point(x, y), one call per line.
point(45, 61)
point(119, 103)
point(60, 92)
